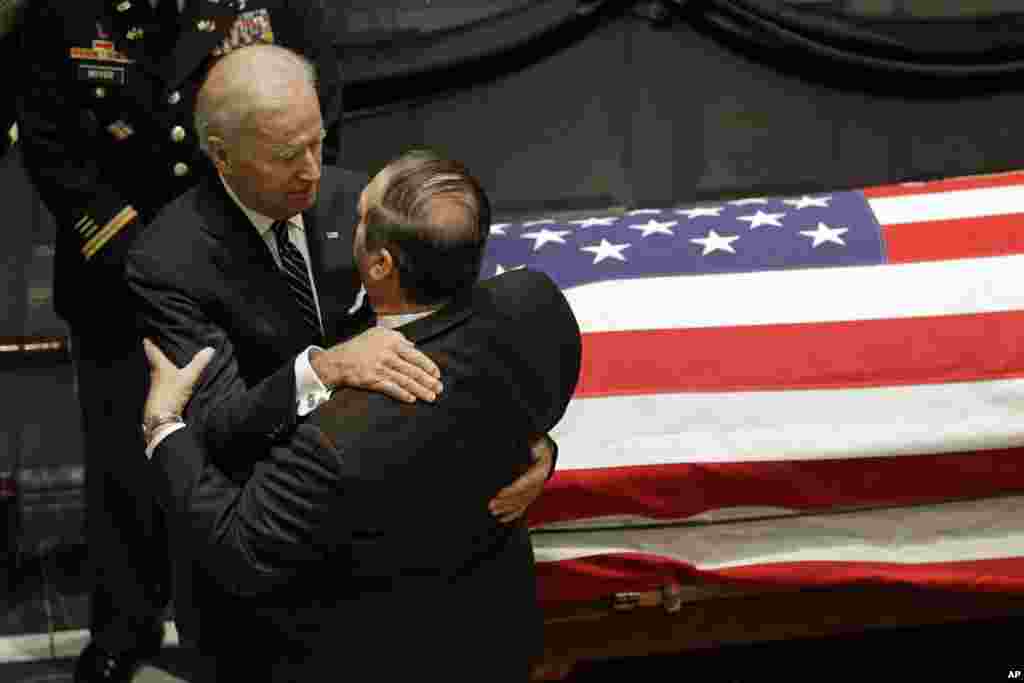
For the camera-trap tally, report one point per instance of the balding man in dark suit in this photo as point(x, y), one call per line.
point(363, 541)
point(257, 261)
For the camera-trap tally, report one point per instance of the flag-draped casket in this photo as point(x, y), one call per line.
point(806, 390)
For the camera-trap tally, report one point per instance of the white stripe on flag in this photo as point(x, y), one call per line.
point(802, 296)
point(951, 532)
point(790, 425)
point(989, 201)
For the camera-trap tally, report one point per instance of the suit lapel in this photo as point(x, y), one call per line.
point(246, 262)
point(225, 221)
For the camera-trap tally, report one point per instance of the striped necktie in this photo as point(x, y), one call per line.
point(296, 274)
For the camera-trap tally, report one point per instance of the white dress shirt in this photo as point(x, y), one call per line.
point(399, 319)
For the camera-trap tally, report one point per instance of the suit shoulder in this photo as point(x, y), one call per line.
point(174, 231)
point(516, 288)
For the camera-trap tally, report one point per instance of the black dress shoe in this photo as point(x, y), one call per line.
point(96, 665)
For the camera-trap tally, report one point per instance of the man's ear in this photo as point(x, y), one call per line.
point(383, 265)
point(219, 154)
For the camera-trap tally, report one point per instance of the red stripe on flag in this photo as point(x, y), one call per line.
point(601, 576)
point(997, 575)
point(868, 353)
point(947, 185)
point(679, 491)
point(955, 239)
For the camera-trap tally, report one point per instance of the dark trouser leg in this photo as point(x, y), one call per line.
point(124, 528)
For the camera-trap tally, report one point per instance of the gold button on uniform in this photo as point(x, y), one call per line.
point(135, 33)
point(181, 169)
point(124, 6)
point(177, 134)
point(206, 25)
point(174, 97)
point(100, 92)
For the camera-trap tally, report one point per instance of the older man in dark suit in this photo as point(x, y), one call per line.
point(363, 542)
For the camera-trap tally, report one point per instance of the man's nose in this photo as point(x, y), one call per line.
point(311, 166)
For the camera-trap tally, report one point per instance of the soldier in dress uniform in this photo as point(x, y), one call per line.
point(106, 124)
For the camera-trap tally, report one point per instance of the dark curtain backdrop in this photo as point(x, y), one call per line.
point(563, 103)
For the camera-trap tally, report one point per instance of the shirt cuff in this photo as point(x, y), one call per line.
point(310, 392)
point(161, 433)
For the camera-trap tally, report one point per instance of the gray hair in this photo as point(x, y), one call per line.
point(248, 81)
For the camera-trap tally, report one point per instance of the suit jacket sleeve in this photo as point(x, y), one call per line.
point(223, 409)
point(57, 138)
point(251, 536)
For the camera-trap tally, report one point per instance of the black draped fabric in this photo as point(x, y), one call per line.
point(391, 52)
point(948, 47)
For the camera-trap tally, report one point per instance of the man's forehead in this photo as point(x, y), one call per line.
point(300, 139)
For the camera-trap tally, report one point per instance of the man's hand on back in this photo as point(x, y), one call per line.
point(381, 360)
point(511, 502)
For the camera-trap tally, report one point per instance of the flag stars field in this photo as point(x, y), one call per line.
point(543, 236)
point(690, 239)
point(607, 250)
point(760, 218)
point(824, 234)
point(715, 242)
point(653, 227)
point(806, 202)
point(698, 212)
point(591, 222)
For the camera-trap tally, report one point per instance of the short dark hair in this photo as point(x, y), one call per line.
point(433, 217)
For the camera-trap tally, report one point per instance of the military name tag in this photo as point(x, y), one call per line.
point(249, 27)
point(98, 73)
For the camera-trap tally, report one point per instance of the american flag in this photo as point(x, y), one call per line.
point(776, 356)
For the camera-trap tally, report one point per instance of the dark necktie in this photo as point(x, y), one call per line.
point(296, 274)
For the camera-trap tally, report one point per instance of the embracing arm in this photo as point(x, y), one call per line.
point(229, 412)
point(224, 409)
point(250, 536)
